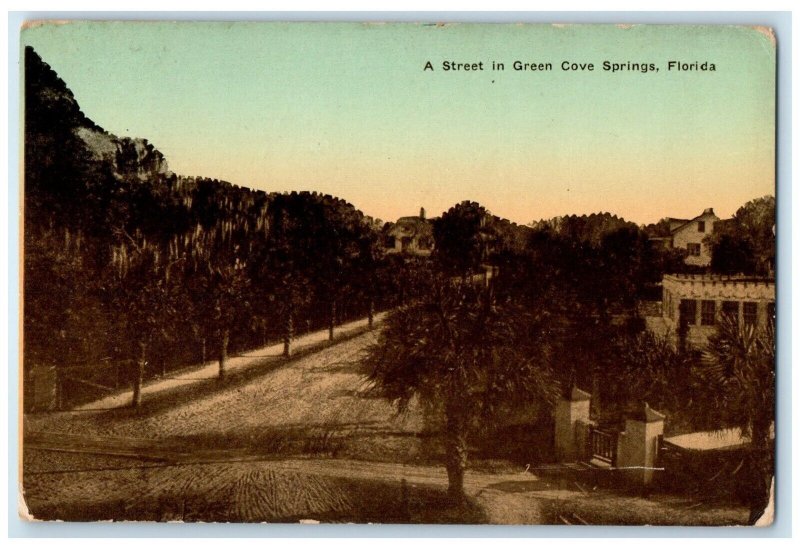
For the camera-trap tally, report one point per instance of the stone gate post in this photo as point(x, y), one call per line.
point(571, 410)
point(638, 445)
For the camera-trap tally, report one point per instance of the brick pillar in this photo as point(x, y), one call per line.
point(569, 411)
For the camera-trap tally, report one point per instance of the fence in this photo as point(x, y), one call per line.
point(602, 446)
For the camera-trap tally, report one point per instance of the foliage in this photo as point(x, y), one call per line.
point(737, 381)
point(589, 229)
point(746, 243)
point(465, 352)
point(130, 259)
point(588, 289)
point(598, 278)
point(732, 255)
point(463, 237)
point(645, 367)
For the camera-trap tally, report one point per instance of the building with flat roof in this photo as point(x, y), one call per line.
point(692, 305)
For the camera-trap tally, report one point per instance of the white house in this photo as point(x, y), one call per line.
point(688, 234)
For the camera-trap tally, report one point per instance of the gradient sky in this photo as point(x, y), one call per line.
point(347, 109)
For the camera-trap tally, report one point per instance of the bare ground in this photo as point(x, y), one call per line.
point(319, 403)
point(285, 441)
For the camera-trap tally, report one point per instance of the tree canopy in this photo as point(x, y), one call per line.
point(465, 352)
point(745, 244)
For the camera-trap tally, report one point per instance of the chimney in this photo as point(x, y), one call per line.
point(708, 211)
point(422, 213)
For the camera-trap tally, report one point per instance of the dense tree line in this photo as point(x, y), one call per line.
point(745, 244)
point(131, 270)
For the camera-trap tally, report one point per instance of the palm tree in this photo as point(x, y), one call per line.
point(465, 353)
point(738, 367)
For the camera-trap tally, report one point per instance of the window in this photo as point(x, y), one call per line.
point(731, 309)
point(694, 248)
point(750, 312)
point(708, 312)
point(701, 226)
point(688, 311)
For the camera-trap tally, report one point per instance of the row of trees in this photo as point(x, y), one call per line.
point(127, 263)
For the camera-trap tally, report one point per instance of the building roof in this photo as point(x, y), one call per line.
point(724, 439)
point(411, 226)
point(707, 211)
point(719, 278)
point(710, 286)
point(677, 220)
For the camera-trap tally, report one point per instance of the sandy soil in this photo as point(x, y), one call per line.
point(329, 490)
point(319, 403)
point(289, 441)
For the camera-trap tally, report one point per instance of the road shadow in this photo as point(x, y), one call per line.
point(518, 486)
point(165, 399)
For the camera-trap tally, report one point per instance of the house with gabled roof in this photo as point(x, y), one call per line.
point(689, 235)
point(412, 235)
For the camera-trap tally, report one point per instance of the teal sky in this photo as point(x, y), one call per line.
point(347, 109)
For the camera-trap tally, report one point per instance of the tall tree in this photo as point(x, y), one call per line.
point(142, 295)
point(746, 243)
point(732, 255)
point(645, 367)
point(464, 237)
point(464, 353)
point(216, 262)
point(737, 380)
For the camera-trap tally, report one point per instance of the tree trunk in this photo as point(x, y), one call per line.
point(596, 402)
point(371, 313)
point(288, 332)
point(332, 320)
point(223, 352)
point(138, 375)
point(204, 351)
point(455, 455)
point(59, 389)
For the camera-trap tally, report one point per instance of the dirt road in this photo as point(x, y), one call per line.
point(210, 370)
point(280, 441)
point(316, 404)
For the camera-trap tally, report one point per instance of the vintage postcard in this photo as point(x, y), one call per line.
point(398, 273)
